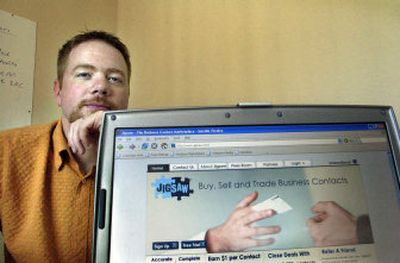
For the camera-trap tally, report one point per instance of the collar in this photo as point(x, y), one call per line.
point(62, 152)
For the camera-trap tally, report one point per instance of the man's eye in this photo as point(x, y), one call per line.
point(114, 79)
point(83, 75)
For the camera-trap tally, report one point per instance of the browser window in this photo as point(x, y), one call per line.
point(196, 177)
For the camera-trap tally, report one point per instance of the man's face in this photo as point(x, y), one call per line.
point(95, 78)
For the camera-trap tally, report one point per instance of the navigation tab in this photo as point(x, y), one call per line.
point(183, 167)
point(213, 166)
point(191, 258)
point(206, 166)
point(297, 163)
point(242, 165)
point(269, 164)
point(167, 259)
point(157, 168)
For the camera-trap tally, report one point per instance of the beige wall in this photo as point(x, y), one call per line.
point(205, 52)
point(57, 21)
point(219, 52)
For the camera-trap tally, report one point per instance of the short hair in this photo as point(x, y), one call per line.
point(106, 37)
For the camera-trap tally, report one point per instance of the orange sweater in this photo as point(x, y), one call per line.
point(46, 203)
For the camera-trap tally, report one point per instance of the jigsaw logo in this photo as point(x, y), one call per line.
point(173, 187)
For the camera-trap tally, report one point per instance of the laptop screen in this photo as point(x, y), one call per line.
point(251, 193)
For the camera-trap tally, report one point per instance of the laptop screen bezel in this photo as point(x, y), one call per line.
point(225, 116)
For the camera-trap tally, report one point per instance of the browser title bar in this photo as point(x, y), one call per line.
point(212, 130)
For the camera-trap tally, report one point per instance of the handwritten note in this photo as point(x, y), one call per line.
point(17, 60)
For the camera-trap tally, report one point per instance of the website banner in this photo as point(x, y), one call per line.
point(307, 212)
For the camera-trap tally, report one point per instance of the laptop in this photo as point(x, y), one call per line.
point(248, 183)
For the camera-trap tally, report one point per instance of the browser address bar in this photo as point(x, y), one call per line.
point(199, 145)
point(254, 143)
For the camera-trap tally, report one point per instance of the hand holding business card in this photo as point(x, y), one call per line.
point(275, 203)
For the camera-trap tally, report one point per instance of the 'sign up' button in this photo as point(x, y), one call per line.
point(166, 245)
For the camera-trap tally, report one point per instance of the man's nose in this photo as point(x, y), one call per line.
point(101, 86)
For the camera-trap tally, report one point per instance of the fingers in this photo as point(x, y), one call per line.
point(246, 214)
point(264, 242)
point(259, 236)
point(75, 138)
point(262, 231)
point(312, 222)
point(254, 216)
point(247, 200)
point(81, 132)
point(319, 217)
point(319, 207)
point(324, 207)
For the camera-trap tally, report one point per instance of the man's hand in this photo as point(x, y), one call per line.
point(84, 133)
point(237, 232)
point(332, 225)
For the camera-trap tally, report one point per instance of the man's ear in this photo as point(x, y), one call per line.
point(56, 92)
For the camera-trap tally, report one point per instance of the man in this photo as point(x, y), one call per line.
point(47, 171)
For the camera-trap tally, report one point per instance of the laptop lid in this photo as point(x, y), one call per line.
point(248, 184)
